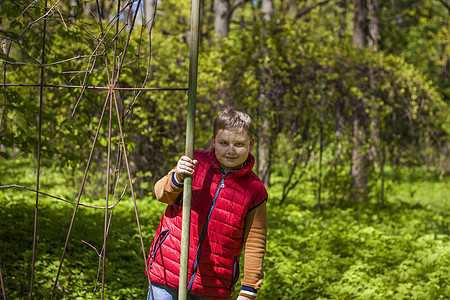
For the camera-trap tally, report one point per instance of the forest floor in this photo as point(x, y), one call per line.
point(400, 251)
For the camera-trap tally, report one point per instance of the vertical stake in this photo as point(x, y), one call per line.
point(190, 126)
point(38, 172)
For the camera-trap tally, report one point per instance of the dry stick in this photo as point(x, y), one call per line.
point(41, 95)
point(98, 269)
point(20, 63)
point(130, 108)
point(149, 61)
point(88, 73)
point(72, 58)
point(21, 48)
point(119, 156)
point(116, 179)
point(91, 55)
point(87, 87)
point(136, 95)
point(79, 194)
point(6, 53)
point(103, 256)
point(97, 133)
point(62, 199)
point(86, 76)
point(105, 233)
point(90, 245)
point(139, 89)
point(115, 39)
point(109, 152)
point(131, 187)
point(147, 74)
point(76, 72)
point(112, 88)
point(126, 45)
point(24, 11)
point(44, 16)
point(1, 281)
point(124, 147)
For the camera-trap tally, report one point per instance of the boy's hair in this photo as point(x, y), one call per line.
point(235, 119)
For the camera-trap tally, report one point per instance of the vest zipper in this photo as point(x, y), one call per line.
point(205, 228)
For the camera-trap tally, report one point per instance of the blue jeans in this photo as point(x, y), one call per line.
point(162, 292)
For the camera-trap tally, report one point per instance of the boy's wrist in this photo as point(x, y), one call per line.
point(176, 180)
point(248, 292)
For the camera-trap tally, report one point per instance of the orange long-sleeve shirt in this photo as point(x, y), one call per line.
point(255, 232)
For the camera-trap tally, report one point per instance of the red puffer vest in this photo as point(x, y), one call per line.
point(219, 205)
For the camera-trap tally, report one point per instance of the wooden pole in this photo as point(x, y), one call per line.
point(190, 126)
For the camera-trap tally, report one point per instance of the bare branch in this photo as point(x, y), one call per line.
point(304, 10)
point(50, 11)
point(104, 88)
point(21, 48)
point(62, 199)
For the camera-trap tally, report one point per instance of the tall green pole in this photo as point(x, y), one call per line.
point(190, 126)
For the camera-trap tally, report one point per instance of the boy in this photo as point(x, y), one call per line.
point(228, 214)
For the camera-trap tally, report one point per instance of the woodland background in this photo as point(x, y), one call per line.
point(351, 106)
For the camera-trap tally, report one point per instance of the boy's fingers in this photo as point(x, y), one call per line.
point(187, 170)
point(189, 160)
point(185, 166)
point(186, 158)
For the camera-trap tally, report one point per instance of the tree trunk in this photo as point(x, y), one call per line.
point(267, 9)
point(223, 12)
point(359, 156)
point(374, 152)
point(373, 23)
point(359, 159)
point(360, 23)
point(264, 141)
point(222, 15)
point(264, 103)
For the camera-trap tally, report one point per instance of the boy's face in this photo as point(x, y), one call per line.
point(232, 148)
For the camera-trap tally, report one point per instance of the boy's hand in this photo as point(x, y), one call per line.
point(185, 166)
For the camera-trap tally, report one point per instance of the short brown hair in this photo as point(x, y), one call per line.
point(234, 118)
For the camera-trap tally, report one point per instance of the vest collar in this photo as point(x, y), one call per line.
point(248, 164)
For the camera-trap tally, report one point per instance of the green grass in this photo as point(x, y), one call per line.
point(401, 251)
point(419, 186)
point(124, 277)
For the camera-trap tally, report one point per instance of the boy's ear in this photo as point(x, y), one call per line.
point(252, 142)
point(212, 140)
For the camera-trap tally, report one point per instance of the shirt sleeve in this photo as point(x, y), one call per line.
point(255, 237)
point(168, 188)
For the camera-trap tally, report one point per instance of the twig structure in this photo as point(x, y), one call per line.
point(107, 50)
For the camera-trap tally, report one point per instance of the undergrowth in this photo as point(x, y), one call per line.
point(400, 251)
